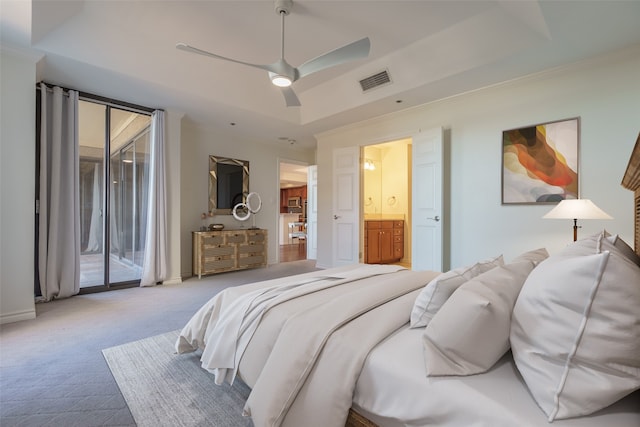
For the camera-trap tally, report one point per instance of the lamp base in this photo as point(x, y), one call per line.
point(575, 229)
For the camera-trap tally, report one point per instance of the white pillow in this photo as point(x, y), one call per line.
point(586, 246)
point(575, 332)
point(470, 333)
point(437, 291)
point(536, 256)
point(623, 247)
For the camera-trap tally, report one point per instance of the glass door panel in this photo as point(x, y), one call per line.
point(92, 215)
point(129, 166)
point(115, 207)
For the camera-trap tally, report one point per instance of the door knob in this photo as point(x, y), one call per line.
point(336, 217)
point(435, 218)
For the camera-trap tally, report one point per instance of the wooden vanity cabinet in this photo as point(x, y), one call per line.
point(228, 250)
point(383, 241)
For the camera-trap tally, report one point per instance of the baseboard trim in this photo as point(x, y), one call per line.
point(173, 281)
point(17, 316)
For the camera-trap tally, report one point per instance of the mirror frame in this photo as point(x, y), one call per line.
point(214, 161)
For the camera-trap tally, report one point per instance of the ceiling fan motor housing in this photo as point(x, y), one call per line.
point(283, 6)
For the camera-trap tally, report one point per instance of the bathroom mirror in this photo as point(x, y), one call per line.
point(228, 182)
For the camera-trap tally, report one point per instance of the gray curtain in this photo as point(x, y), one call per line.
point(154, 267)
point(59, 223)
point(95, 228)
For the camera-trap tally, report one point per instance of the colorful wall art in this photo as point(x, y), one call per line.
point(540, 163)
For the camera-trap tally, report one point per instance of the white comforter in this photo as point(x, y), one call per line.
point(309, 346)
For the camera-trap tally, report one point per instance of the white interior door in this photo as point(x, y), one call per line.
point(312, 212)
point(346, 184)
point(427, 216)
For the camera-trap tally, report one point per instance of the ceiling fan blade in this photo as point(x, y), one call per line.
point(290, 97)
point(187, 48)
point(356, 50)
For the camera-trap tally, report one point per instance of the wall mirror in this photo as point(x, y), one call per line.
point(228, 183)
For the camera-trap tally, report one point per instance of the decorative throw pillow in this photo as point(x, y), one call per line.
point(440, 289)
point(624, 248)
point(536, 256)
point(575, 331)
point(586, 246)
point(470, 333)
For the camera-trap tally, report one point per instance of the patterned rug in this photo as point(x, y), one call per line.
point(163, 388)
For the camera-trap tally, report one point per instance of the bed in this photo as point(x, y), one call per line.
point(380, 345)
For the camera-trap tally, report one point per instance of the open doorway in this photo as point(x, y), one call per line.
point(386, 203)
point(292, 222)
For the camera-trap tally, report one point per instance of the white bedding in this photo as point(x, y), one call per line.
point(224, 326)
point(303, 358)
point(319, 348)
point(393, 390)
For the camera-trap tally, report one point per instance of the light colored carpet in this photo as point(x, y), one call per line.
point(163, 388)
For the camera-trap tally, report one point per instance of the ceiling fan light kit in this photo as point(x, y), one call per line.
point(281, 73)
point(280, 81)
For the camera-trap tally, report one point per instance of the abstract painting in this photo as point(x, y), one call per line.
point(540, 163)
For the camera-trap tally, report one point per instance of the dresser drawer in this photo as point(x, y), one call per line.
point(236, 238)
point(253, 237)
point(217, 264)
point(248, 249)
point(214, 240)
point(221, 250)
point(245, 261)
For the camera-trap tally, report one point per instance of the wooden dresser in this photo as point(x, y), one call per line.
point(228, 250)
point(383, 241)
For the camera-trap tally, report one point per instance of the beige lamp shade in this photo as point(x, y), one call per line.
point(576, 209)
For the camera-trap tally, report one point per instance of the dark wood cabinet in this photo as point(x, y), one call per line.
point(285, 193)
point(383, 241)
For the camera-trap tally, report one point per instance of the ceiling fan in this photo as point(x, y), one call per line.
point(281, 73)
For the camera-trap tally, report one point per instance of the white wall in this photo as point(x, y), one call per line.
point(264, 163)
point(604, 92)
point(17, 183)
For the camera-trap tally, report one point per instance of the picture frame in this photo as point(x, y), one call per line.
point(540, 163)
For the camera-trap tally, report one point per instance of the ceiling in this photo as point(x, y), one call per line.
point(125, 50)
point(292, 175)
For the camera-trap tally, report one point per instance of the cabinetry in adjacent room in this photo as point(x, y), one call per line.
point(228, 250)
point(383, 241)
point(287, 193)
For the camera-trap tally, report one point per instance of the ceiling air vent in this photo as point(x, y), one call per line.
point(377, 80)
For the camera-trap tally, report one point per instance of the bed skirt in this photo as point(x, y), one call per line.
point(357, 420)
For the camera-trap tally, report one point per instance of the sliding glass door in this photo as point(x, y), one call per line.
point(113, 194)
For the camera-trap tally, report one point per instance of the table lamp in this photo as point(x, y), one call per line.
point(576, 209)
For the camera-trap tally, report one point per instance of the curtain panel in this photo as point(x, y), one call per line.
point(154, 267)
point(59, 198)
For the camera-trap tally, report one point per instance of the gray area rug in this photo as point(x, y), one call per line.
point(163, 388)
